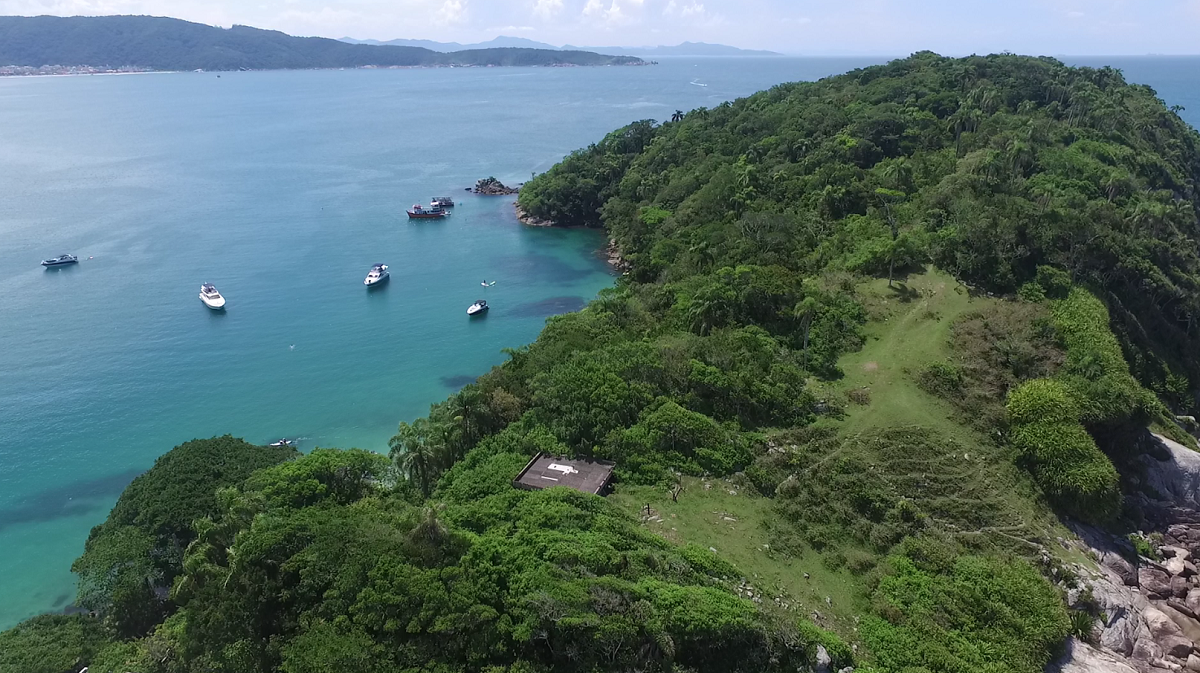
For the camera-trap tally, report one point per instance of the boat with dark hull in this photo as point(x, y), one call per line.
point(419, 212)
point(61, 260)
point(442, 202)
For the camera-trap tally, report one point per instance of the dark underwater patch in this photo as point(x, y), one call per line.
point(548, 307)
point(66, 500)
point(458, 381)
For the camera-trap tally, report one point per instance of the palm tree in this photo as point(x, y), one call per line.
point(888, 198)
point(678, 116)
point(410, 449)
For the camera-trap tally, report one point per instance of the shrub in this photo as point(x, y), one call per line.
point(1041, 401)
point(940, 610)
point(1054, 283)
point(1069, 467)
point(1031, 292)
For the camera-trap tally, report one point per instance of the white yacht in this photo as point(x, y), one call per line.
point(211, 298)
point(378, 274)
point(479, 307)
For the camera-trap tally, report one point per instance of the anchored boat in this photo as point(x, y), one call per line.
point(61, 260)
point(211, 298)
point(478, 308)
point(420, 212)
point(378, 274)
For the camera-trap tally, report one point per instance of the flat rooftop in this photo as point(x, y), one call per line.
point(581, 474)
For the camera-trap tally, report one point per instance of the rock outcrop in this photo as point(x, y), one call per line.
point(493, 187)
point(1148, 608)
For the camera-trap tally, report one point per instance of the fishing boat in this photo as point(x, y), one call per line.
point(442, 202)
point(478, 308)
point(378, 274)
point(420, 212)
point(212, 298)
point(61, 260)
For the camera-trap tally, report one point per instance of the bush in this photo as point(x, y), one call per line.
point(1054, 283)
point(1041, 401)
point(51, 644)
point(939, 610)
point(1069, 467)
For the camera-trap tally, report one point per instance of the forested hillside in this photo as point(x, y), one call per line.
point(158, 43)
point(879, 335)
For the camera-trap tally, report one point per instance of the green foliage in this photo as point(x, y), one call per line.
point(671, 437)
point(170, 44)
point(137, 551)
point(1009, 172)
point(51, 644)
point(1069, 467)
point(1042, 400)
point(943, 611)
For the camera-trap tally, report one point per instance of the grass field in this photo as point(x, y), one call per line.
point(958, 476)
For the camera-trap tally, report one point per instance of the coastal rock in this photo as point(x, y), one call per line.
point(1079, 657)
point(1124, 569)
point(1177, 477)
point(824, 661)
point(1155, 581)
point(493, 187)
point(531, 220)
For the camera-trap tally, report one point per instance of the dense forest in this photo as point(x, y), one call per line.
point(878, 335)
point(157, 43)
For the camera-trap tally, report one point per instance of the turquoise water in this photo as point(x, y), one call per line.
point(282, 189)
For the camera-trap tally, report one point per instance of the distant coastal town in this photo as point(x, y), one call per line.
point(24, 70)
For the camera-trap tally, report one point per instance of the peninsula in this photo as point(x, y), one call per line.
point(30, 45)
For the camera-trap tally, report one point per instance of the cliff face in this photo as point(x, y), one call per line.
point(1148, 609)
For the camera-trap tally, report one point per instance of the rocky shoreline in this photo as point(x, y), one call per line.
point(611, 253)
point(1147, 609)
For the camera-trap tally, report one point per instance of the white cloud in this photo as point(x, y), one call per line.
point(684, 10)
point(451, 12)
point(547, 8)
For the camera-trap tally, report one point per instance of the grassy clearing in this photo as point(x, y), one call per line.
point(966, 482)
point(909, 329)
point(717, 513)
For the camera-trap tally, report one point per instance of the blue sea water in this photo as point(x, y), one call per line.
point(282, 188)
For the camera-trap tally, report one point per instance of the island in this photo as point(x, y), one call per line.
point(121, 43)
point(899, 379)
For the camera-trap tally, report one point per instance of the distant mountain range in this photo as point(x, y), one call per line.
point(504, 41)
point(156, 43)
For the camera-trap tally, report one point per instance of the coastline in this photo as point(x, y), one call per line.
point(611, 251)
point(80, 71)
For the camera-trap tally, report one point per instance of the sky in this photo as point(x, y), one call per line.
point(805, 27)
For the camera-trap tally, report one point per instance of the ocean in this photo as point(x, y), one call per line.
point(282, 189)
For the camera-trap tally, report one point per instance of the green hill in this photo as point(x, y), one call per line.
point(157, 43)
point(879, 334)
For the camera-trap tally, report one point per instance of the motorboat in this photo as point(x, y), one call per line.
point(478, 308)
point(419, 212)
point(61, 260)
point(442, 202)
point(211, 298)
point(378, 274)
